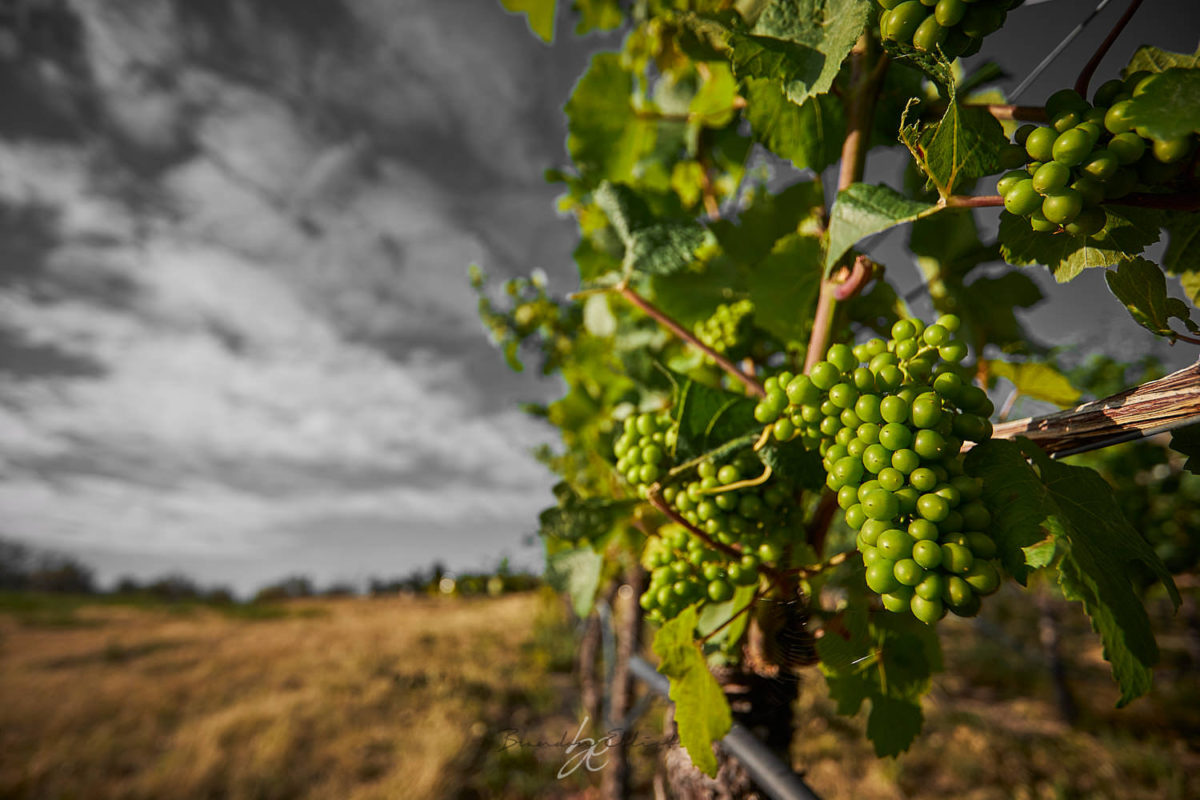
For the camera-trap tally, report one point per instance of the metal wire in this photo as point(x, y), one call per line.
point(1049, 59)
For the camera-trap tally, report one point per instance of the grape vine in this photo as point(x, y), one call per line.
point(753, 414)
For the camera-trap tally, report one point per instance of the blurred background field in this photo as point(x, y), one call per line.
point(416, 695)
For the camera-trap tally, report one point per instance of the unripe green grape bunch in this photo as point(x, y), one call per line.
point(889, 421)
point(728, 329)
point(1087, 155)
point(756, 520)
point(643, 449)
point(956, 27)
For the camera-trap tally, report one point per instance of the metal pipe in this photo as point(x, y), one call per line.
point(772, 775)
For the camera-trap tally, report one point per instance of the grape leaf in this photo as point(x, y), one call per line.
point(768, 218)
point(576, 518)
point(538, 13)
point(1141, 286)
point(1038, 380)
point(965, 144)
point(890, 662)
point(788, 66)
point(827, 27)
point(1124, 236)
point(712, 104)
point(709, 417)
point(1095, 546)
point(606, 138)
point(577, 573)
point(809, 135)
point(714, 615)
point(1169, 106)
point(598, 15)
point(790, 460)
point(652, 247)
point(784, 287)
point(701, 710)
point(893, 724)
point(862, 210)
point(1152, 59)
point(1187, 441)
point(1182, 256)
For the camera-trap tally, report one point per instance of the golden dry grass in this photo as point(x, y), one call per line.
point(397, 698)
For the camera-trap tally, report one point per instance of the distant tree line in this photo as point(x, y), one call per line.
point(26, 569)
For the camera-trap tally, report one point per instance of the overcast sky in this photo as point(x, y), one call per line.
point(236, 334)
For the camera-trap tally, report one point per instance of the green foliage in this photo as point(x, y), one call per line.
point(1140, 285)
point(1170, 105)
point(1126, 234)
point(1038, 380)
point(1048, 513)
point(862, 210)
point(676, 203)
point(701, 710)
point(577, 573)
point(1187, 441)
point(538, 13)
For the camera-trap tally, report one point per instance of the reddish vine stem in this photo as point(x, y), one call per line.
point(754, 387)
point(865, 77)
point(1014, 112)
point(1174, 202)
point(1089, 69)
point(831, 562)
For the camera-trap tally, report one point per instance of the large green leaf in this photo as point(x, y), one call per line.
point(714, 616)
point(862, 210)
point(1096, 549)
point(890, 662)
point(701, 710)
point(1126, 234)
point(538, 13)
point(784, 287)
point(1142, 287)
point(964, 145)
point(1183, 251)
point(1152, 59)
point(1169, 106)
point(791, 67)
point(652, 247)
point(710, 417)
point(606, 138)
point(808, 135)
point(828, 28)
point(1038, 380)
point(792, 461)
point(576, 572)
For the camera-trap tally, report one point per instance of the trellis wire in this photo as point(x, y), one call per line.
point(772, 775)
point(1049, 59)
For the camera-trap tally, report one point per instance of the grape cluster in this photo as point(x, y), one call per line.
point(755, 518)
point(729, 327)
point(1089, 154)
point(957, 27)
point(889, 423)
point(643, 448)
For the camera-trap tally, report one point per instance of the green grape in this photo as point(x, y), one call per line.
point(1022, 199)
point(927, 553)
point(956, 558)
point(881, 504)
point(1117, 118)
point(881, 577)
point(1168, 151)
point(1072, 147)
point(895, 544)
point(1040, 144)
point(1062, 206)
point(898, 600)
point(1128, 148)
point(983, 578)
point(1051, 177)
point(933, 508)
point(720, 590)
point(823, 374)
point(928, 611)
point(1089, 222)
point(929, 35)
point(1009, 180)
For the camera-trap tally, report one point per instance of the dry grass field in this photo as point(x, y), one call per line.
point(353, 698)
point(409, 699)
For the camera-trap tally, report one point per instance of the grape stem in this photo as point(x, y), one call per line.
point(1089, 69)
point(752, 386)
point(1174, 202)
point(866, 74)
point(1009, 111)
point(803, 573)
point(753, 602)
point(746, 484)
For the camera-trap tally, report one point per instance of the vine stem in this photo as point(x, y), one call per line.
point(754, 387)
point(841, 558)
point(1174, 202)
point(1014, 112)
point(759, 595)
point(865, 78)
point(1089, 69)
